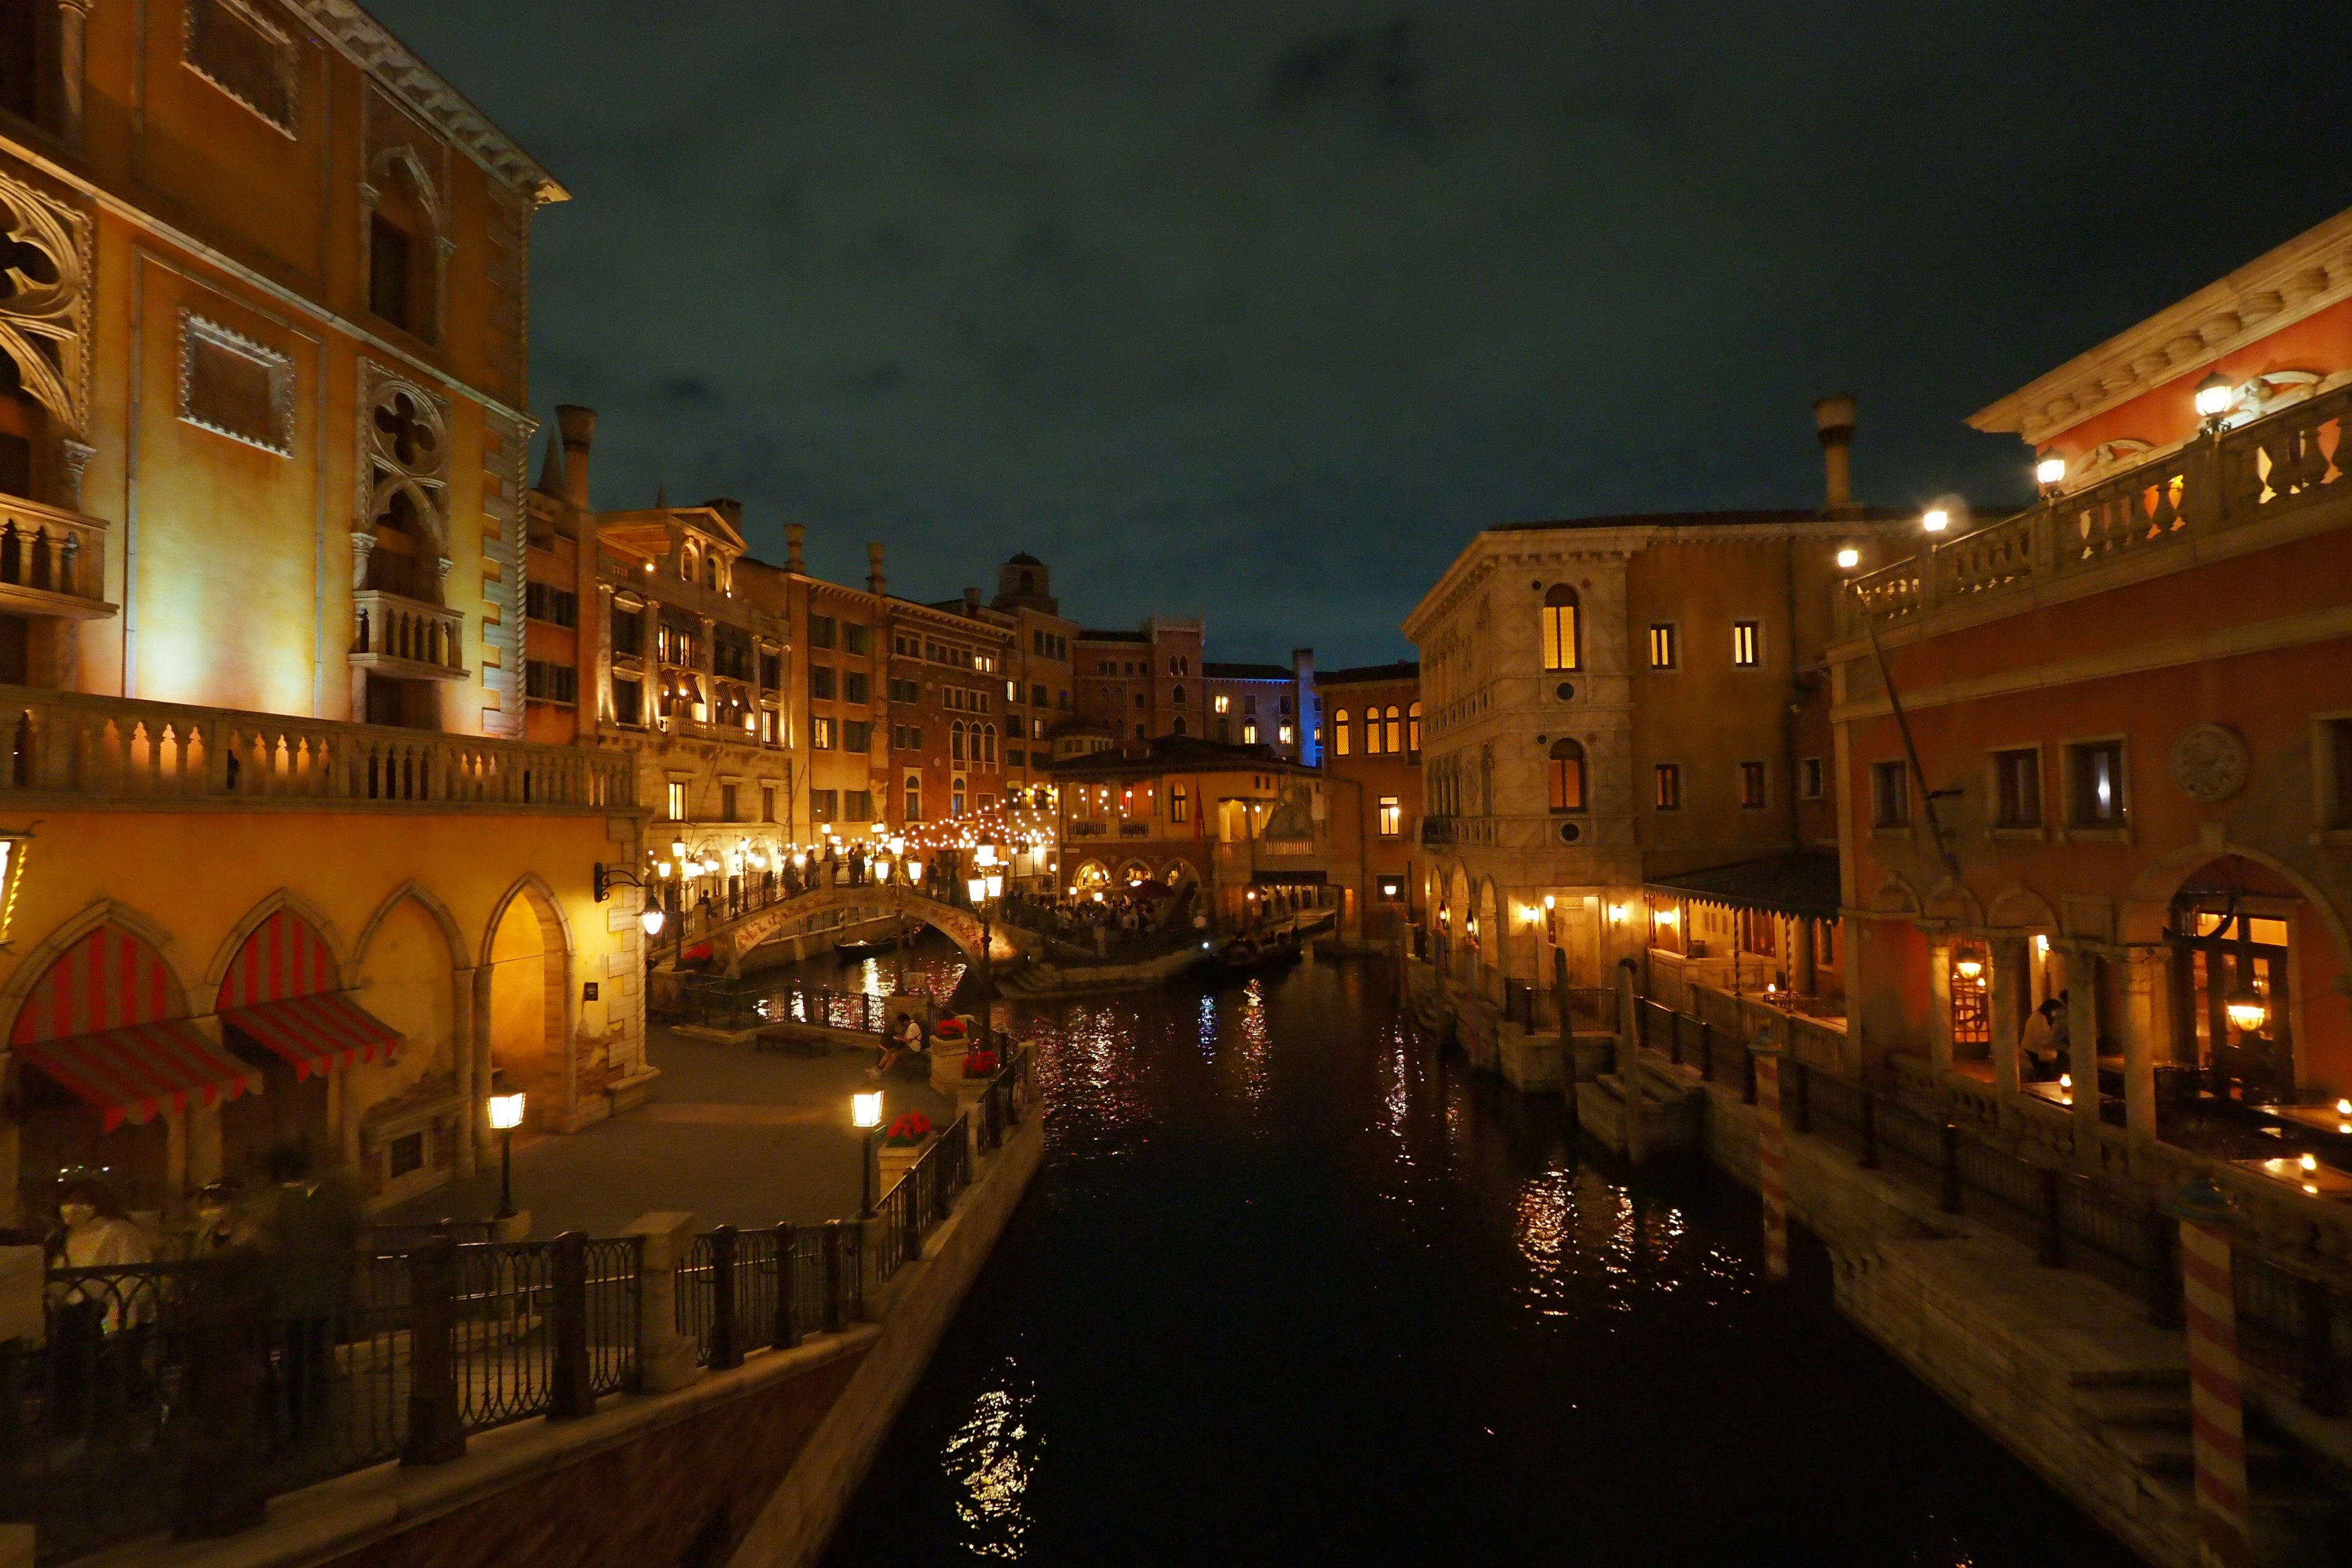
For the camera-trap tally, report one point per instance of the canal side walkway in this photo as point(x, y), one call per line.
point(729, 1133)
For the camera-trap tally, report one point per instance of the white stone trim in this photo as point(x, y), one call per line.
point(196, 329)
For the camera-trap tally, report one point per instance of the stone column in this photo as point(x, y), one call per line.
point(73, 28)
point(1802, 961)
point(665, 1356)
point(2083, 1050)
point(2011, 1001)
point(476, 1113)
point(2146, 972)
point(1939, 1004)
point(461, 1062)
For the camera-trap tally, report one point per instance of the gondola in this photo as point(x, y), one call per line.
point(855, 951)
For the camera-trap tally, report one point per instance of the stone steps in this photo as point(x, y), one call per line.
point(2143, 1414)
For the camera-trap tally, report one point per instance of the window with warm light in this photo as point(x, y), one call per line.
point(1564, 770)
point(1666, 787)
point(1180, 804)
point(2094, 772)
point(1224, 703)
point(1392, 727)
point(1666, 650)
point(1412, 730)
point(677, 802)
point(1564, 634)
point(1339, 734)
point(1391, 816)
point(1751, 786)
point(1748, 644)
point(1249, 734)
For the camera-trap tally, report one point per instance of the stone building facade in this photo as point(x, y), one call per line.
point(261, 548)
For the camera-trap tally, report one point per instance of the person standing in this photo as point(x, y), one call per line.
point(312, 1237)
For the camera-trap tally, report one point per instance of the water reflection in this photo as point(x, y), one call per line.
point(1287, 1268)
point(989, 1459)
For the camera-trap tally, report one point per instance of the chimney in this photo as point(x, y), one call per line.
point(728, 508)
point(795, 535)
point(875, 582)
point(972, 603)
point(1833, 420)
point(579, 427)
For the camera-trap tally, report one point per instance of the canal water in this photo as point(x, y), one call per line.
point(1290, 1288)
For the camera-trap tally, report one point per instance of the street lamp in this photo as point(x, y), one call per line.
point(1934, 520)
point(2214, 395)
point(1849, 558)
point(2049, 473)
point(506, 1115)
point(866, 1115)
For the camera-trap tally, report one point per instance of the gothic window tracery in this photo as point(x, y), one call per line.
point(404, 444)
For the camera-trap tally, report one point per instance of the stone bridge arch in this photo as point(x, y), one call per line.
point(733, 942)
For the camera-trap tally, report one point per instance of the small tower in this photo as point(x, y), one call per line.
point(1025, 583)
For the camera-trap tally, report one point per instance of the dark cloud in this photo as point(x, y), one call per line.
point(1257, 308)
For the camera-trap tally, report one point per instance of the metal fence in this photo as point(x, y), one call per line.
point(2294, 1316)
point(742, 1290)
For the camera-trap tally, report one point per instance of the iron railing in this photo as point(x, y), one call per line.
point(742, 1290)
point(2294, 1313)
point(922, 1198)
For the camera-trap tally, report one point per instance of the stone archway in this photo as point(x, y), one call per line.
point(733, 943)
point(527, 952)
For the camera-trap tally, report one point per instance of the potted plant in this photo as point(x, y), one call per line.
point(951, 1039)
point(980, 1063)
point(904, 1144)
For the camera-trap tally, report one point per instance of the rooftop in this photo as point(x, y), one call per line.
point(1090, 636)
point(1366, 674)
point(1757, 517)
point(1214, 671)
point(1167, 752)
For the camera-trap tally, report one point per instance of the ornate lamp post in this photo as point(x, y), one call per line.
point(866, 1115)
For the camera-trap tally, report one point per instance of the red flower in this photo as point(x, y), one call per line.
point(912, 1128)
point(949, 1029)
point(979, 1064)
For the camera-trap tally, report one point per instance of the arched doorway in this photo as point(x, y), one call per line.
point(528, 955)
point(283, 1010)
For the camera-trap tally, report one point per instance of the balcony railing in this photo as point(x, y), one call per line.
point(111, 748)
point(1437, 830)
point(2293, 458)
point(52, 562)
point(407, 636)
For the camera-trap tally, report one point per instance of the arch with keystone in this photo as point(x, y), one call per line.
point(735, 940)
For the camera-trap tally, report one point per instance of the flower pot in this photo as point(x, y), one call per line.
point(895, 1162)
point(947, 1063)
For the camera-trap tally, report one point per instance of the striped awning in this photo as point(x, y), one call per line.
point(318, 1033)
point(135, 1071)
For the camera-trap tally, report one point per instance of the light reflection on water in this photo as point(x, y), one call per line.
point(1285, 1266)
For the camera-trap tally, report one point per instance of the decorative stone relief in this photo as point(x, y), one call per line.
point(45, 266)
point(403, 473)
point(2210, 763)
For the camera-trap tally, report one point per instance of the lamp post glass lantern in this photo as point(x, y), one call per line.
point(506, 1115)
point(866, 1115)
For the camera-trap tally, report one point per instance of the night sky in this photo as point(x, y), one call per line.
point(1257, 310)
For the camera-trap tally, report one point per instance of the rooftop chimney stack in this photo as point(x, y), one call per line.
point(1833, 420)
point(579, 427)
point(875, 582)
point(795, 535)
point(972, 603)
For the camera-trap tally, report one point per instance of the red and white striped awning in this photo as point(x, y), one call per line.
point(135, 1071)
point(318, 1033)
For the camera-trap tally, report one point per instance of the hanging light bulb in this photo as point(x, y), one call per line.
point(2247, 1010)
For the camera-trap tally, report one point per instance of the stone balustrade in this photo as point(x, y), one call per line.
point(48, 553)
point(2281, 463)
point(77, 745)
point(407, 636)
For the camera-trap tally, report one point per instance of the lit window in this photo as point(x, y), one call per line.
point(1663, 654)
point(1563, 645)
point(1249, 734)
point(1284, 735)
point(677, 802)
point(1224, 704)
point(1339, 736)
point(1667, 792)
point(1746, 644)
point(1566, 771)
point(821, 733)
point(1180, 804)
point(1412, 729)
point(1751, 786)
point(1396, 725)
point(1391, 816)
point(2096, 772)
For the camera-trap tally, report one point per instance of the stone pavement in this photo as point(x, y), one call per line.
point(732, 1135)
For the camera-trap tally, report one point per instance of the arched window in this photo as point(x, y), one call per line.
point(955, 740)
point(1395, 731)
point(1176, 726)
point(1178, 697)
point(1028, 582)
point(1563, 633)
point(710, 570)
point(693, 562)
point(988, 743)
point(1372, 733)
point(1412, 729)
point(1339, 734)
point(1567, 771)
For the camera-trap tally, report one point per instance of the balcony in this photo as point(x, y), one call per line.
point(73, 748)
point(1079, 827)
point(2155, 513)
point(1135, 830)
point(407, 637)
point(52, 561)
point(1437, 830)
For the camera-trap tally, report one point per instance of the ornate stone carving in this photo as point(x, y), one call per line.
point(403, 470)
point(45, 264)
point(2210, 763)
point(73, 462)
